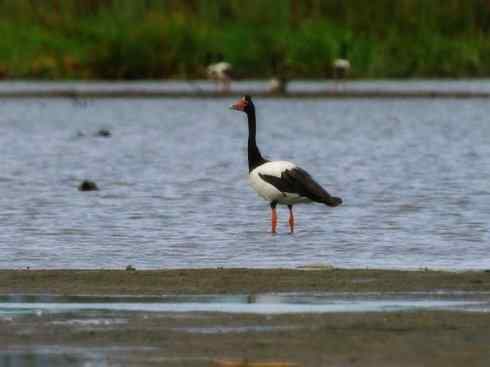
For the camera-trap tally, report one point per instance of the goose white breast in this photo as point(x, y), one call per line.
point(270, 192)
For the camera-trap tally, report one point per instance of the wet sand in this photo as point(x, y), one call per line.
point(432, 338)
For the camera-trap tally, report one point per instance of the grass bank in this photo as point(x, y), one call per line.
point(125, 39)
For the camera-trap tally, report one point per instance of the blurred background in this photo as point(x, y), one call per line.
point(154, 39)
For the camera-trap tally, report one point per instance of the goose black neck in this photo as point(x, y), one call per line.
point(254, 157)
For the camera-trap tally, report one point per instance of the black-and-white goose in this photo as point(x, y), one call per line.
point(279, 182)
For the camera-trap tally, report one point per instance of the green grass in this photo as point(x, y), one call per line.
point(125, 39)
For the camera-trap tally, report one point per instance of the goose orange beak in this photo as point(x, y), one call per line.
point(239, 105)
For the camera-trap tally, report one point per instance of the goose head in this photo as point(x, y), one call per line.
point(244, 104)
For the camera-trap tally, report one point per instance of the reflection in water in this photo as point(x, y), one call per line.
point(47, 357)
point(50, 356)
point(257, 304)
point(234, 329)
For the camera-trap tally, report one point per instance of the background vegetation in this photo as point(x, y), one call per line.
point(136, 39)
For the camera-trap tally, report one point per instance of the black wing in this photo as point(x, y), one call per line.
point(298, 181)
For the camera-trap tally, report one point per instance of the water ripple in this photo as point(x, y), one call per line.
point(174, 192)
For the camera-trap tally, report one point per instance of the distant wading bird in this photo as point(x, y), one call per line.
point(279, 182)
point(220, 72)
point(341, 68)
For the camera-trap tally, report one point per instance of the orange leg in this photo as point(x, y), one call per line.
point(274, 218)
point(291, 219)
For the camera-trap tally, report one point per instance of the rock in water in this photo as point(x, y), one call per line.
point(88, 185)
point(104, 133)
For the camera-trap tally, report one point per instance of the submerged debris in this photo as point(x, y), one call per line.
point(88, 185)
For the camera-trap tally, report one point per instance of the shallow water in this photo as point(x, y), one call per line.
point(295, 303)
point(173, 183)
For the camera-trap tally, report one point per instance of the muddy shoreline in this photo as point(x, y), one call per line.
point(236, 281)
point(105, 338)
point(190, 339)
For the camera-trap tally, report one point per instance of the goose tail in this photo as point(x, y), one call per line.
point(332, 201)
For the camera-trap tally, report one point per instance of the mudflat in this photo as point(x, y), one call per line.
point(141, 338)
point(200, 339)
point(233, 281)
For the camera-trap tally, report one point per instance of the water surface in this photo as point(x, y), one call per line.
point(173, 183)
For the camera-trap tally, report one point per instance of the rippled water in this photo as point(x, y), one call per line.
point(414, 176)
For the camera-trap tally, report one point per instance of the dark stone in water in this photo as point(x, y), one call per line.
point(87, 185)
point(104, 133)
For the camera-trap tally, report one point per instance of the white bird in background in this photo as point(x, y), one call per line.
point(279, 182)
point(277, 86)
point(220, 72)
point(341, 68)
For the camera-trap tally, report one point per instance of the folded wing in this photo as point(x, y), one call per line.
point(298, 181)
